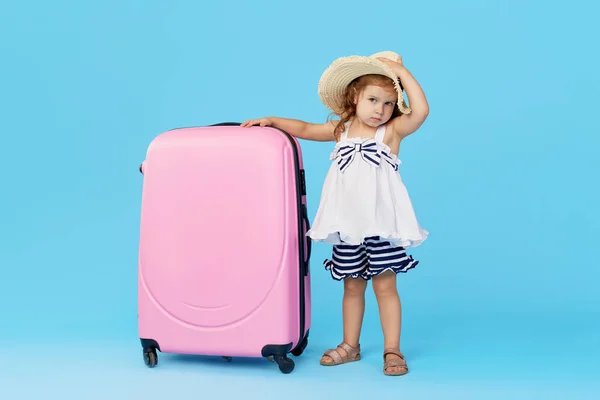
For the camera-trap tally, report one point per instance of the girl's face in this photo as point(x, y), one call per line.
point(375, 104)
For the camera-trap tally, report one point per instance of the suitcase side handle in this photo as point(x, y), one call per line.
point(227, 124)
point(308, 247)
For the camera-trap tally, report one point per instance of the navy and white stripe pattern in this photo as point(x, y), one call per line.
point(390, 160)
point(368, 151)
point(369, 259)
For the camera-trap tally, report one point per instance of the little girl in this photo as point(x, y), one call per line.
point(365, 211)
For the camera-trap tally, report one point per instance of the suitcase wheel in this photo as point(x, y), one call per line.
point(277, 353)
point(150, 357)
point(286, 365)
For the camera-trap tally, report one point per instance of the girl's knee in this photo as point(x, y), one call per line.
point(385, 284)
point(355, 286)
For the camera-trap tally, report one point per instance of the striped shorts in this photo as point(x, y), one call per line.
point(371, 258)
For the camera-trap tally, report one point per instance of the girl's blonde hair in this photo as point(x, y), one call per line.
point(354, 89)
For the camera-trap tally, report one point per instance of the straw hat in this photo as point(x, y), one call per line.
point(344, 70)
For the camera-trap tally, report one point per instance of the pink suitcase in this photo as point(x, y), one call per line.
point(223, 256)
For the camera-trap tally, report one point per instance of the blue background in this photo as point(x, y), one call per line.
point(505, 300)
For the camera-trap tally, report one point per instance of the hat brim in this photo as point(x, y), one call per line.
point(336, 78)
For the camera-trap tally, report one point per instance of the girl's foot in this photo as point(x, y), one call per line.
point(343, 354)
point(394, 363)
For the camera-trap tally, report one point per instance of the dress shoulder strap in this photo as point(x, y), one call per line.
point(380, 133)
point(344, 134)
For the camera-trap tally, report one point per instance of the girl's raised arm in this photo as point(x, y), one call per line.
point(409, 123)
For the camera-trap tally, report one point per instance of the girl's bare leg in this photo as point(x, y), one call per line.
point(390, 313)
point(353, 310)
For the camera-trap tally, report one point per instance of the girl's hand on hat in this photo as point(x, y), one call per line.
point(260, 122)
point(394, 65)
point(389, 62)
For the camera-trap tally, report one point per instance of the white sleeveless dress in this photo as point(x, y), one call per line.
point(363, 197)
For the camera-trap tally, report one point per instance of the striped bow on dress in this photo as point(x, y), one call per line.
point(368, 150)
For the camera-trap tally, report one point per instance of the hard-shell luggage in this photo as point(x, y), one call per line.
point(223, 256)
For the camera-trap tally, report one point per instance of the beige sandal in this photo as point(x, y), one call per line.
point(352, 354)
point(394, 362)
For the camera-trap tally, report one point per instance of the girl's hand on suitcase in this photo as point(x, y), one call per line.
point(260, 122)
